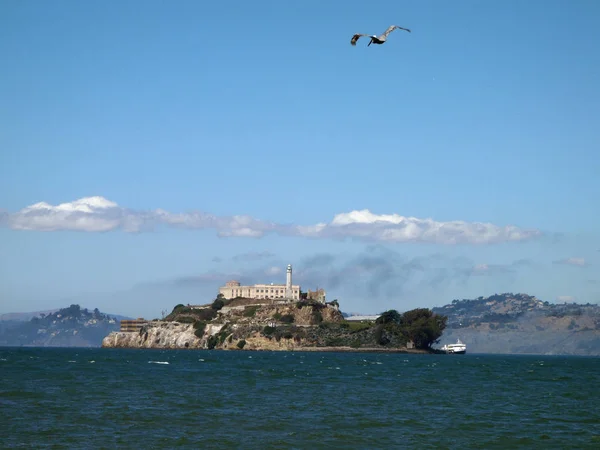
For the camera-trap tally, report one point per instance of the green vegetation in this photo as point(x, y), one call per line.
point(287, 318)
point(268, 331)
point(241, 344)
point(313, 303)
point(391, 330)
point(284, 332)
point(391, 316)
point(222, 335)
point(421, 326)
point(250, 311)
point(186, 314)
point(218, 304)
point(212, 342)
point(186, 319)
point(317, 317)
point(355, 327)
point(199, 327)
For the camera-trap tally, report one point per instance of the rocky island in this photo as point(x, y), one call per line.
point(267, 324)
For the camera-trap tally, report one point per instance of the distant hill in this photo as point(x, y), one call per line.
point(66, 327)
point(521, 323)
point(24, 316)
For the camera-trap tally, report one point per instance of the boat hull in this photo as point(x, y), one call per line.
point(455, 349)
point(456, 352)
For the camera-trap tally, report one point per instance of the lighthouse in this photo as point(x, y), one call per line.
point(288, 283)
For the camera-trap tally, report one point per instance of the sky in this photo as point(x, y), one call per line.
point(152, 150)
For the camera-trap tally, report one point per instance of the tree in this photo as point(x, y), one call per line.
point(423, 327)
point(390, 316)
point(218, 304)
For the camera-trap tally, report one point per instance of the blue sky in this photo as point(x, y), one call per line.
point(193, 142)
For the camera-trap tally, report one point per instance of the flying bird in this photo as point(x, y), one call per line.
point(377, 39)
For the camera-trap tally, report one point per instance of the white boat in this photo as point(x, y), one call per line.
point(459, 348)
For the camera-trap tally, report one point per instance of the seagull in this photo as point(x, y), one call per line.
point(377, 39)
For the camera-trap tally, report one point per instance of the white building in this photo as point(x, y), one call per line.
point(287, 291)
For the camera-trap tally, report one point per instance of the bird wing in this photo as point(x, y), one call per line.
point(392, 28)
point(356, 37)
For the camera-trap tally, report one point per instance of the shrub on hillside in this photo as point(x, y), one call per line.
point(268, 331)
point(250, 311)
point(206, 314)
point(186, 319)
point(212, 342)
point(217, 304)
point(287, 318)
point(199, 328)
point(317, 317)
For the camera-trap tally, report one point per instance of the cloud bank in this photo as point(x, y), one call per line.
point(97, 214)
point(578, 262)
point(374, 279)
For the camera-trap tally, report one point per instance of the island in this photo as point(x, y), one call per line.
point(242, 323)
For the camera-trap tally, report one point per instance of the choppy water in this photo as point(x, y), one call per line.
point(110, 398)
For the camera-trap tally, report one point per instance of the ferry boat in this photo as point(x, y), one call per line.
point(459, 348)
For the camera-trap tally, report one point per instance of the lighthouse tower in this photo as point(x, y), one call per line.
point(288, 283)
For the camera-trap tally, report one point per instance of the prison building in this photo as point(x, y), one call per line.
point(287, 291)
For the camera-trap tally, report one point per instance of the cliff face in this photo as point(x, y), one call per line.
point(167, 335)
point(175, 335)
point(242, 325)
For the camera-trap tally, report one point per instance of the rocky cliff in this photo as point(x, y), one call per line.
point(160, 334)
point(251, 325)
point(240, 323)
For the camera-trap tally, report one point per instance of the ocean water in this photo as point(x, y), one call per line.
point(114, 398)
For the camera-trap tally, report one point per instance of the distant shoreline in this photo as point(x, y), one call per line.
point(296, 349)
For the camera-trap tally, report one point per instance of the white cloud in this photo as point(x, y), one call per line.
point(481, 268)
point(97, 214)
point(274, 270)
point(253, 256)
point(498, 269)
point(579, 262)
point(565, 299)
point(395, 228)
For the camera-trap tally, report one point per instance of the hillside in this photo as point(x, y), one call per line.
point(252, 324)
point(521, 323)
point(66, 327)
point(24, 316)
